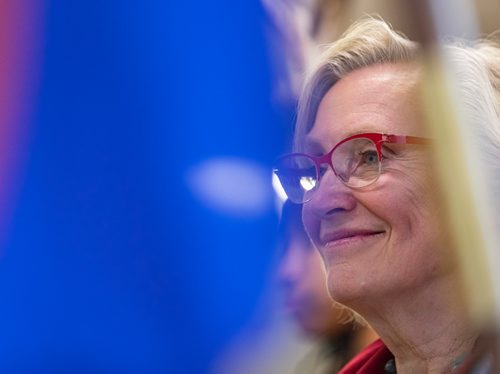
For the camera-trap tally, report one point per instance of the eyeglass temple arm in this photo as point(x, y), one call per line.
point(404, 139)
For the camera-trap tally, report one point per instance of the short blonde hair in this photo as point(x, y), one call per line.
point(371, 41)
point(367, 42)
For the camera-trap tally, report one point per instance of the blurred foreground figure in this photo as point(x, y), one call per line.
point(300, 330)
point(365, 173)
point(338, 337)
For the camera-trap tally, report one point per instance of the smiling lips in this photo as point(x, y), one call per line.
point(346, 236)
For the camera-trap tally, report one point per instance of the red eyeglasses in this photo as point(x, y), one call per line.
point(355, 160)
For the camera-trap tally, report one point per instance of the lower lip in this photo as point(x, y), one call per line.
point(352, 241)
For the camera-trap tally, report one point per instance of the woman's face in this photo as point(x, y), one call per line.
point(385, 238)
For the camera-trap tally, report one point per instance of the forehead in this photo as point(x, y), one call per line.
point(381, 98)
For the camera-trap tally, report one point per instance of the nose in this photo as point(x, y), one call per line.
point(331, 197)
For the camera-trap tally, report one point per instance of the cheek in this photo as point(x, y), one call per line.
point(412, 200)
point(417, 235)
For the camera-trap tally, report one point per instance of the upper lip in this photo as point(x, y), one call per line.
point(339, 234)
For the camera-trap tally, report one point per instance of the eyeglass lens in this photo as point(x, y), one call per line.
point(356, 162)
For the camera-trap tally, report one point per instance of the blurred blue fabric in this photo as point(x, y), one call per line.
point(112, 264)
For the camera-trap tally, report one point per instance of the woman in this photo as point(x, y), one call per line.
point(369, 204)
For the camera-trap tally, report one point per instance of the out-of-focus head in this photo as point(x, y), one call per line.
point(302, 275)
point(387, 237)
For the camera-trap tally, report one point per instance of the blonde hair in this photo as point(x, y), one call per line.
point(371, 41)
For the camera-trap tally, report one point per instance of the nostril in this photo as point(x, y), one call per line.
point(335, 211)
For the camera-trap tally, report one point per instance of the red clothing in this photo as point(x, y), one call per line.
point(370, 360)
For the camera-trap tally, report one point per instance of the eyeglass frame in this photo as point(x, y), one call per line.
point(377, 138)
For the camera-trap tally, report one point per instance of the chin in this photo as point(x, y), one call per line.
point(347, 288)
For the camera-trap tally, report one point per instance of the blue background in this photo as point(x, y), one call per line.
point(112, 265)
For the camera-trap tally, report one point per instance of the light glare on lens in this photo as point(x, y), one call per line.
point(307, 183)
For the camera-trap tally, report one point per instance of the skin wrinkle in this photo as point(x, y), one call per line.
point(414, 206)
point(406, 162)
point(436, 332)
point(387, 325)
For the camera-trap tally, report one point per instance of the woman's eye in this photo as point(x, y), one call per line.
point(369, 157)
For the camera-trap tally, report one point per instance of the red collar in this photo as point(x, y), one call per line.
point(370, 360)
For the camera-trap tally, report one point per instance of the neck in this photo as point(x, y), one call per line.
point(427, 330)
